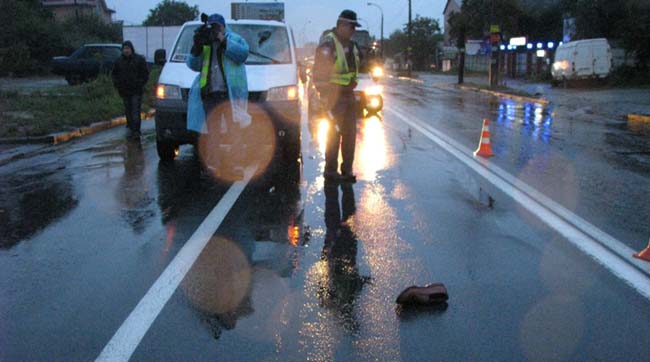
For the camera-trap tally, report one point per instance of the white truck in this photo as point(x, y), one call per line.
point(582, 59)
point(147, 39)
point(272, 72)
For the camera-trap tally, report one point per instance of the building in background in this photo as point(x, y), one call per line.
point(257, 10)
point(452, 6)
point(65, 9)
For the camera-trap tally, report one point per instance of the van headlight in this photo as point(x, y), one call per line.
point(289, 93)
point(166, 91)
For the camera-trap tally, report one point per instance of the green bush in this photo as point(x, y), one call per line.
point(629, 76)
point(65, 108)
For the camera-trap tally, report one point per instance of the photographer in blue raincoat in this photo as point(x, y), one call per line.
point(220, 92)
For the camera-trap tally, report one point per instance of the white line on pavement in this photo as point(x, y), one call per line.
point(134, 328)
point(604, 248)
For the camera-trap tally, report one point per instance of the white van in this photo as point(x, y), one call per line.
point(272, 74)
point(581, 59)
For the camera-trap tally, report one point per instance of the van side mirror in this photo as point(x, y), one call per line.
point(160, 57)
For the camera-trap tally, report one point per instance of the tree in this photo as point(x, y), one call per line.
point(89, 28)
point(627, 21)
point(425, 36)
point(635, 32)
point(29, 37)
point(171, 12)
point(396, 43)
point(480, 14)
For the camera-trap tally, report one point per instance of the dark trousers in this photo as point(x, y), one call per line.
point(218, 109)
point(132, 105)
point(345, 117)
point(216, 106)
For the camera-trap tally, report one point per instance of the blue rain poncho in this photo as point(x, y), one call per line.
point(235, 73)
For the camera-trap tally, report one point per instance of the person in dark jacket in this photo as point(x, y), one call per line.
point(130, 74)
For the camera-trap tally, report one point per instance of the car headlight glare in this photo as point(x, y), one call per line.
point(166, 91)
point(373, 90)
point(289, 93)
point(374, 102)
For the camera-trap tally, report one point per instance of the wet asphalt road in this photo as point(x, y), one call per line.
point(303, 271)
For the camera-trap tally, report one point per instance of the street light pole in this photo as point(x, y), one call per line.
point(302, 32)
point(381, 50)
point(408, 49)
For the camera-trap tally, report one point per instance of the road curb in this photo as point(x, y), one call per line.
point(638, 117)
point(505, 95)
point(61, 137)
point(414, 80)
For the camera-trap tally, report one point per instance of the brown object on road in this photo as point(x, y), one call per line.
point(429, 294)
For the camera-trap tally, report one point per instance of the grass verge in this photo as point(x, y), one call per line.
point(65, 108)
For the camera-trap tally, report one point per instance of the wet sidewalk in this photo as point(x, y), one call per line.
point(612, 103)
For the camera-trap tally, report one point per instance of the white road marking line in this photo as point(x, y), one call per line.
point(128, 336)
point(604, 248)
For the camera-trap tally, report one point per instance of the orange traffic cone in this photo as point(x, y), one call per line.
point(644, 254)
point(485, 148)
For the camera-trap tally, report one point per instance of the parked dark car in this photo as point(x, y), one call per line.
point(87, 62)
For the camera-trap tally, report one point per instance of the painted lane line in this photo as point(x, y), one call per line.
point(128, 336)
point(607, 240)
point(604, 248)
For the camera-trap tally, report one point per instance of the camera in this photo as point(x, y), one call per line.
point(208, 33)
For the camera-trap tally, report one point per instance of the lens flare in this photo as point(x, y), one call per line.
point(226, 150)
point(220, 279)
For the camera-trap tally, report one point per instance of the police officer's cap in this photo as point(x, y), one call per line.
point(349, 16)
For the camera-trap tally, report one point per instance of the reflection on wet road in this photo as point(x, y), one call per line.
point(301, 269)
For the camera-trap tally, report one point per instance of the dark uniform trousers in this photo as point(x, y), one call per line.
point(132, 106)
point(344, 112)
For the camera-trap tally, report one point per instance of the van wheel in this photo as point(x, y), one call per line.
point(167, 151)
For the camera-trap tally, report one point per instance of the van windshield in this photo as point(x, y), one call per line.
point(268, 44)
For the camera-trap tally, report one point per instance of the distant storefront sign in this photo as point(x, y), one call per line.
point(518, 41)
point(258, 11)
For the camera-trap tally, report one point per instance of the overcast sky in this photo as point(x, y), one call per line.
point(308, 18)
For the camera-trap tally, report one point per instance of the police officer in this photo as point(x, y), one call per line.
point(335, 77)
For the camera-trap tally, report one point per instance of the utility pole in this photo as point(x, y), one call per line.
point(408, 48)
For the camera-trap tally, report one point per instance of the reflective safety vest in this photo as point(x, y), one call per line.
point(205, 70)
point(342, 75)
